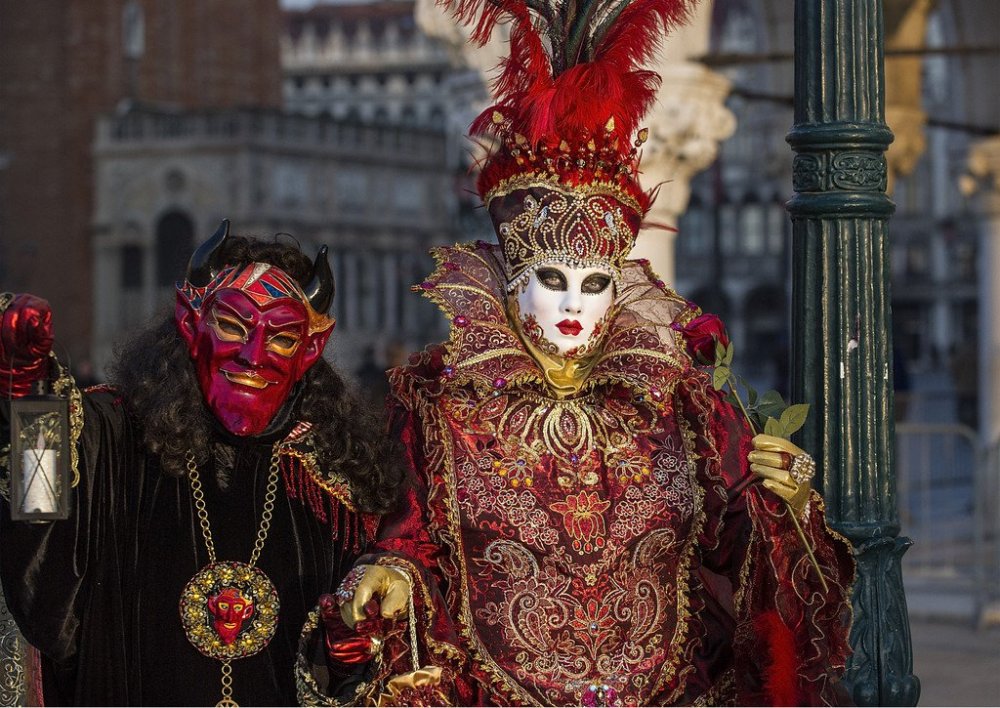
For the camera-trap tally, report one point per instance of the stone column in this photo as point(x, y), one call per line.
point(982, 182)
point(842, 325)
point(684, 134)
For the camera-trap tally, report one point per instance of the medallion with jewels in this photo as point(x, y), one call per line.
point(229, 610)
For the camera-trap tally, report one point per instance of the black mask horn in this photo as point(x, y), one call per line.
point(203, 266)
point(321, 287)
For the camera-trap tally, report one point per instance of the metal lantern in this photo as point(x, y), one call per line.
point(39, 457)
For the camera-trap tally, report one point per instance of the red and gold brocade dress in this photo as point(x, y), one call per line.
point(606, 546)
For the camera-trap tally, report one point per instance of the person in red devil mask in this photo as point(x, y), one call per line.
point(227, 479)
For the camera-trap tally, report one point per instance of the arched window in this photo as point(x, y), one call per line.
point(712, 298)
point(694, 237)
point(131, 267)
point(766, 317)
point(752, 228)
point(174, 245)
point(728, 228)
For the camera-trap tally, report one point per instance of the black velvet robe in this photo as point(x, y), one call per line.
point(98, 594)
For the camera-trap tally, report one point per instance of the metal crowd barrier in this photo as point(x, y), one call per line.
point(949, 504)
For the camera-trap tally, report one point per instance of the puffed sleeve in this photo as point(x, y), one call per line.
point(792, 627)
point(47, 569)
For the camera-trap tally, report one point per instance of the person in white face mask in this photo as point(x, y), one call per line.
point(583, 525)
point(561, 309)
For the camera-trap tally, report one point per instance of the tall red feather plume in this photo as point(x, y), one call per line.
point(589, 70)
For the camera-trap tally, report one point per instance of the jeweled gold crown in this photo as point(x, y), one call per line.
point(543, 221)
point(580, 205)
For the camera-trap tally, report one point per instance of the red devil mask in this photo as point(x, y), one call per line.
point(252, 332)
point(230, 609)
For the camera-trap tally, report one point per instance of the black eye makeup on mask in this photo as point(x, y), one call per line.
point(595, 284)
point(551, 279)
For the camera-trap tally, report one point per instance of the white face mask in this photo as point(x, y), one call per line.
point(560, 307)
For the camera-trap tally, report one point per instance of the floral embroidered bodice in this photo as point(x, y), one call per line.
point(575, 523)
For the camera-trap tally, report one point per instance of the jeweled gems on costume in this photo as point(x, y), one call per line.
point(802, 469)
point(229, 609)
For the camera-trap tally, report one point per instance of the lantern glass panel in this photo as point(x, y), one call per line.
point(39, 458)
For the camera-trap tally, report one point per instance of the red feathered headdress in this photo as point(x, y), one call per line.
point(562, 182)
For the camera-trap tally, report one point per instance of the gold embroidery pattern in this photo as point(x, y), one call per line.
point(579, 585)
point(13, 676)
point(299, 446)
point(640, 349)
point(553, 223)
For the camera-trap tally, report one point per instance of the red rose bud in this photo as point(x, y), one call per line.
point(700, 337)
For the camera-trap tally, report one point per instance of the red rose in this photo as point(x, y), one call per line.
point(700, 337)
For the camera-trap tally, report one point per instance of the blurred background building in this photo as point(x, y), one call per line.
point(128, 128)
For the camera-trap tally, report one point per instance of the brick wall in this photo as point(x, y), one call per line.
point(62, 65)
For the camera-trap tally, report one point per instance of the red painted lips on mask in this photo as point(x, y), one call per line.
point(248, 356)
point(570, 328)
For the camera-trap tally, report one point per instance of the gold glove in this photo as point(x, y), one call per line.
point(388, 585)
point(785, 468)
point(402, 688)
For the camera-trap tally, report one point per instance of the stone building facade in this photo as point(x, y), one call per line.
point(364, 61)
point(734, 244)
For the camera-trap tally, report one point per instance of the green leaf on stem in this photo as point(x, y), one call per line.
point(794, 417)
point(719, 377)
point(772, 405)
point(720, 354)
point(773, 427)
point(727, 358)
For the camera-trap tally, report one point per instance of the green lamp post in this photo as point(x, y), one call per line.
point(841, 321)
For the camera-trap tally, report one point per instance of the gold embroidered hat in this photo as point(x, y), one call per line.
point(561, 179)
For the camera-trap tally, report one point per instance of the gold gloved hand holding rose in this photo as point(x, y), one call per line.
point(785, 468)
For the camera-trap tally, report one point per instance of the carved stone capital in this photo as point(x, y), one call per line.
point(982, 176)
point(686, 125)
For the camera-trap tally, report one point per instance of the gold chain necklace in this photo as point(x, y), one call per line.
point(229, 609)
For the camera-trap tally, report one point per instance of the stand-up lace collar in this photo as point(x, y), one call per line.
point(640, 350)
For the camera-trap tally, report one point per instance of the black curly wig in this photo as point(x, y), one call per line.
point(155, 376)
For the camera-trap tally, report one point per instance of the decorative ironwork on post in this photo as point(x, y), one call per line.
point(841, 323)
